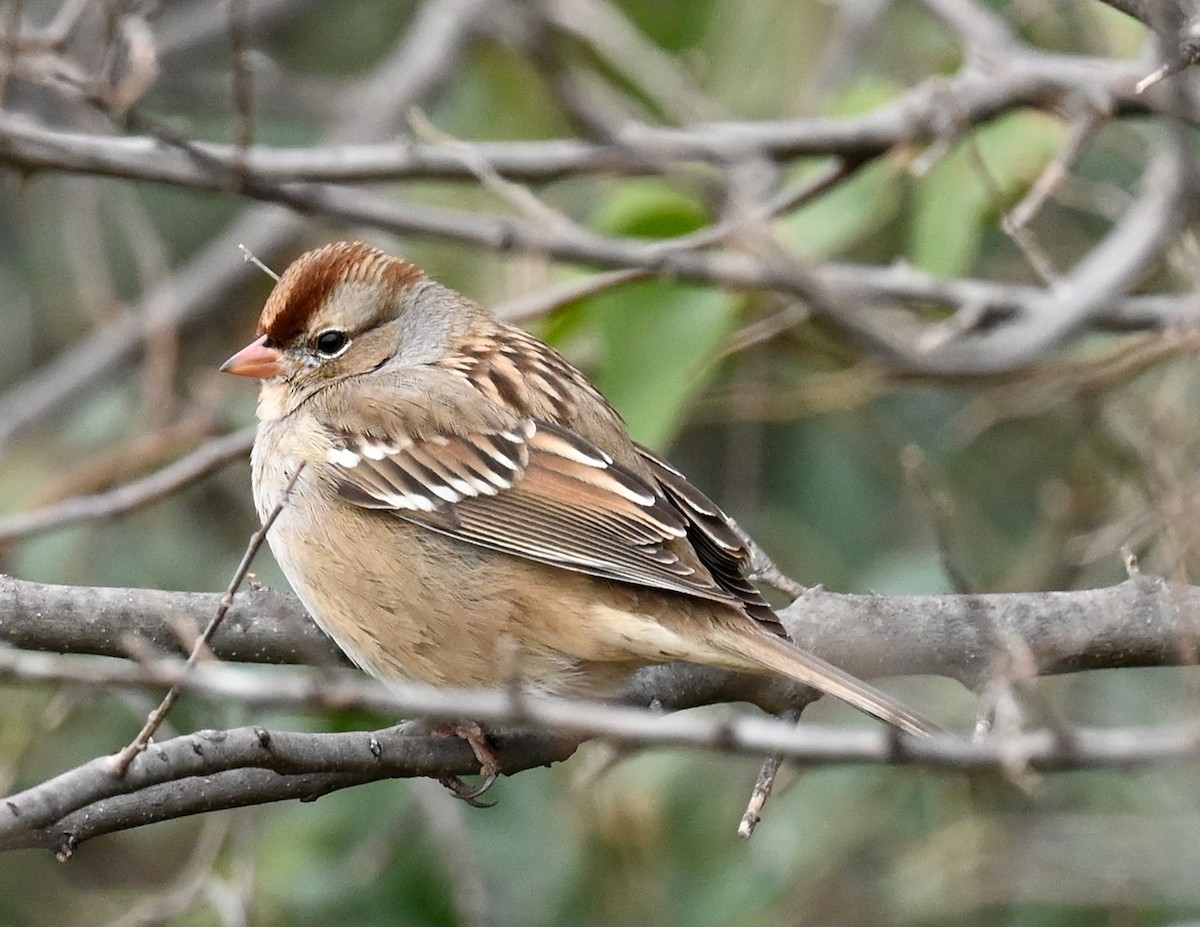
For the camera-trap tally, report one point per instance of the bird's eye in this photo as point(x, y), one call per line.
point(332, 343)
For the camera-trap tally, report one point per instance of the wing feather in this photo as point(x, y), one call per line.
point(536, 491)
point(716, 540)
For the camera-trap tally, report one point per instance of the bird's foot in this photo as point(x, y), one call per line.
point(489, 763)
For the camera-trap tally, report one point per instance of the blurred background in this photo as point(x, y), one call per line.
point(120, 296)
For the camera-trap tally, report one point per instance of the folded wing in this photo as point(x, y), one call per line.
point(541, 492)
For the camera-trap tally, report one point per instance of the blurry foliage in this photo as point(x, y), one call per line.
point(969, 189)
point(822, 486)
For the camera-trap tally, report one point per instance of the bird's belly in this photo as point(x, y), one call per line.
point(405, 615)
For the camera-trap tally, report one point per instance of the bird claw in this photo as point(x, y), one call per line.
point(464, 792)
point(489, 764)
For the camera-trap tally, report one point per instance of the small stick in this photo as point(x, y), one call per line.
point(758, 797)
point(249, 258)
point(1155, 76)
point(762, 788)
point(121, 760)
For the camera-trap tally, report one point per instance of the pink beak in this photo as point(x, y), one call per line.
point(254, 360)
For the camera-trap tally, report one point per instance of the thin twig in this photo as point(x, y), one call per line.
point(938, 511)
point(763, 786)
point(543, 302)
point(250, 258)
point(758, 797)
point(1055, 174)
point(764, 569)
point(518, 196)
point(1020, 236)
point(121, 761)
point(202, 462)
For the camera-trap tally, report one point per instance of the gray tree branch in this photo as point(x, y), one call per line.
point(1144, 621)
point(85, 636)
point(534, 730)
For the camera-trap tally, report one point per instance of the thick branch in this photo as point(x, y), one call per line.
point(1144, 621)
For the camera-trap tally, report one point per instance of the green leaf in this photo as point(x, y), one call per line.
point(649, 208)
point(648, 345)
point(656, 341)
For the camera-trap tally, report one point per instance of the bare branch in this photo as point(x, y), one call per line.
point(917, 116)
point(1112, 267)
point(200, 646)
point(89, 800)
point(423, 60)
point(1140, 622)
point(197, 465)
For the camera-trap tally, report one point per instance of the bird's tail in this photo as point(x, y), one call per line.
point(764, 651)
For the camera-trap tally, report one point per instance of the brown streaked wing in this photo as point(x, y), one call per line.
point(425, 476)
point(717, 543)
point(536, 491)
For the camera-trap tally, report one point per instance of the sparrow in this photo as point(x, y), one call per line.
point(470, 507)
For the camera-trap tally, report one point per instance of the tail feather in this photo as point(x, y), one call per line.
point(766, 651)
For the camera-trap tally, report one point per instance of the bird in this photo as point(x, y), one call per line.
point(467, 505)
